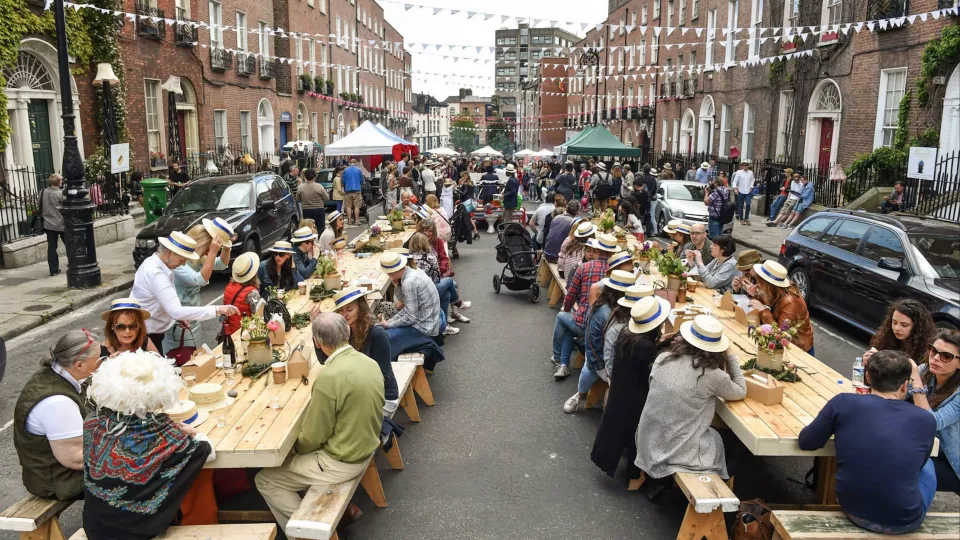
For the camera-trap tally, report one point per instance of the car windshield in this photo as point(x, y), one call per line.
point(211, 197)
point(938, 252)
point(685, 193)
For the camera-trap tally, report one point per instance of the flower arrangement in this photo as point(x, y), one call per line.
point(607, 221)
point(772, 338)
point(670, 265)
point(325, 266)
point(619, 233)
point(375, 231)
point(648, 250)
point(255, 327)
point(273, 326)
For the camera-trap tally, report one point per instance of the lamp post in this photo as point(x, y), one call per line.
point(591, 57)
point(107, 79)
point(82, 269)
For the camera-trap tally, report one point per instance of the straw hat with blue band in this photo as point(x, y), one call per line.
point(648, 313)
point(180, 244)
point(683, 228)
point(333, 216)
point(219, 228)
point(585, 230)
point(619, 280)
point(705, 333)
point(282, 246)
point(605, 242)
point(422, 213)
point(392, 262)
point(121, 304)
point(339, 243)
point(617, 259)
point(772, 272)
point(672, 226)
point(347, 296)
point(303, 234)
point(245, 267)
point(634, 294)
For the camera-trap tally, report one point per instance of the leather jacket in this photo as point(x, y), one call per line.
point(793, 310)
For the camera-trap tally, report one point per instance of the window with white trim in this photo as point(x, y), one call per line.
point(220, 128)
point(312, 47)
point(643, 14)
point(323, 6)
point(756, 22)
point(151, 95)
point(676, 136)
point(643, 51)
point(656, 9)
point(711, 37)
point(241, 31)
point(245, 141)
point(669, 13)
point(216, 25)
point(298, 51)
point(682, 17)
point(785, 125)
point(832, 12)
point(695, 10)
point(263, 38)
point(664, 134)
point(654, 49)
point(733, 11)
point(726, 118)
point(633, 18)
point(893, 84)
point(791, 13)
point(749, 121)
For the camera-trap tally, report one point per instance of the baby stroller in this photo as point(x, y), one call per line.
point(459, 230)
point(516, 250)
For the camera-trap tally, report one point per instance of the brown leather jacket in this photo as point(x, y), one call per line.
point(793, 310)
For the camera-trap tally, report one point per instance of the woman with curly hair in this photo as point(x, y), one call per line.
point(908, 327)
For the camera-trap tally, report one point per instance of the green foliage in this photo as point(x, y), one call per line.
point(903, 120)
point(777, 69)
point(939, 55)
point(325, 266)
point(498, 136)
point(670, 265)
point(882, 158)
point(462, 133)
point(785, 374)
point(930, 138)
point(97, 165)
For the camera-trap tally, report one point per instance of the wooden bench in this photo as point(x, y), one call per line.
point(595, 394)
point(245, 531)
point(34, 518)
point(549, 277)
point(708, 499)
point(420, 384)
point(809, 525)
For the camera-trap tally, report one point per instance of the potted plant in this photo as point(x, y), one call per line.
point(327, 269)
point(771, 341)
point(330, 88)
point(621, 236)
point(374, 239)
point(671, 266)
point(607, 221)
point(158, 160)
point(318, 84)
point(396, 219)
point(303, 83)
point(648, 252)
point(258, 349)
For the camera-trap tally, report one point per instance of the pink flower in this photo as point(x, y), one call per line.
point(772, 345)
point(766, 330)
point(784, 342)
point(273, 326)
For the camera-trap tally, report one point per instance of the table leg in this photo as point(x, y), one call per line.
point(827, 480)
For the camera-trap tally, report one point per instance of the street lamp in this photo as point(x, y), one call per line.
point(82, 269)
point(107, 79)
point(591, 57)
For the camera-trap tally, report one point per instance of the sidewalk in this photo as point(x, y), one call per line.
point(33, 297)
point(758, 236)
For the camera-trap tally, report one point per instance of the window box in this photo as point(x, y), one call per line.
point(220, 60)
point(268, 68)
point(246, 64)
point(184, 34)
point(829, 38)
point(789, 46)
point(150, 22)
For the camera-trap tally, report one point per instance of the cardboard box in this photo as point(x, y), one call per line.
point(727, 303)
point(769, 391)
point(298, 365)
point(277, 338)
point(201, 364)
point(676, 318)
point(394, 242)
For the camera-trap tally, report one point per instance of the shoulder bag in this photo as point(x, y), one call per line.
point(36, 223)
point(182, 354)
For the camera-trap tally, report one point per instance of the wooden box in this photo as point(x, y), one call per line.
point(395, 242)
point(767, 391)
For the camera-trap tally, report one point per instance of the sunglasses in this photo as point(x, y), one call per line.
point(124, 327)
point(944, 355)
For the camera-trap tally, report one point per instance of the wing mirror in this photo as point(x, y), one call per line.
point(266, 206)
point(889, 263)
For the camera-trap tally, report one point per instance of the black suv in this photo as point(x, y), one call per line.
point(853, 265)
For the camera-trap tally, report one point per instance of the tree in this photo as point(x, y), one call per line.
point(499, 137)
point(463, 134)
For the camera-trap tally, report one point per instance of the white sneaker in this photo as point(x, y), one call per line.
point(562, 372)
point(457, 316)
point(464, 305)
point(570, 405)
point(554, 361)
point(451, 331)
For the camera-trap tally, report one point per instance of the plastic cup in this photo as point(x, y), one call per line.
point(275, 402)
point(221, 421)
point(229, 374)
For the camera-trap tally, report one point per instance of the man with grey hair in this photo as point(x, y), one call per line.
point(341, 427)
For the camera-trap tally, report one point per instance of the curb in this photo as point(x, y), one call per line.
point(766, 251)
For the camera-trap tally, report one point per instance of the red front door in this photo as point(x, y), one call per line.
point(826, 142)
point(182, 132)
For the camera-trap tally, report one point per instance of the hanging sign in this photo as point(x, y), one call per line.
point(286, 117)
point(119, 158)
point(921, 163)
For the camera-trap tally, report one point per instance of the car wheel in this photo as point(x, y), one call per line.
point(250, 246)
point(801, 279)
point(496, 283)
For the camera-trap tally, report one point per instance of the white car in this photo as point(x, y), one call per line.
point(678, 199)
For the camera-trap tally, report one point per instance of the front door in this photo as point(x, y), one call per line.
point(284, 133)
point(182, 132)
point(39, 115)
point(826, 142)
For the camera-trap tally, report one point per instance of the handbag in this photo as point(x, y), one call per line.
point(753, 521)
point(36, 223)
point(182, 354)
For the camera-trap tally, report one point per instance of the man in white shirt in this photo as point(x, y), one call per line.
point(429, 180)
point(626, 188)
point(539, 220)
point(744, 182)
point(796, 188)
point(153, 286)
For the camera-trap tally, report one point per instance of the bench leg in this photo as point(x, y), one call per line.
point(576, 361)
point(47, 531)
point(334, 536)
point(393, 455)
point(827, 480)
point(409, 404)
point(556, 294)
point(543, 273)
point(422, 386)
point(371, 484)
point(635, 483)
point(595, 394)
point(696, 526)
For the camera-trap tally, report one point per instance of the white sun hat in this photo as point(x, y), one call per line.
point(672, 226)
point(121, 304)
point(391, 262)
point(705, 333)
point(648, 313)
point(585, 229)
point(303, 234)
point(180, 244)
point(619, 280)
point(772, 272)
point(282, 246)
point(347, 296)
point(605, 242)
point(617, 259)
point(634, 294)
point(245, 267)
point(219, 228)
point(333, 216)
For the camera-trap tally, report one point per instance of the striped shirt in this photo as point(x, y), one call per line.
point(421, 303)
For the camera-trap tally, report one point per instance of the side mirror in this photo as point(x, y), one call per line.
point(889, 263)
point(266, 206)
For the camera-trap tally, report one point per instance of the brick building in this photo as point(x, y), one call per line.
point(518, 51)
point(476, 107)
point(551, 105)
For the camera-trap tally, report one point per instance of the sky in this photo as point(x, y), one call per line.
point(420, 25)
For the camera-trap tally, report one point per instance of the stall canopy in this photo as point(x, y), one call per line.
point(597, 141)
point(543, 153)
point(369, 140)
point(523, 153)
point(486, 151)
point(393, 135)
point(442, 151)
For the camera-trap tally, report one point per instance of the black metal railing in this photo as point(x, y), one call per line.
point(886, 9)
point(941, 196)
point(268, 68)
point(946, 4)
point(220, 59)
point(150, 21)
point(184, 33)
point(246, 64)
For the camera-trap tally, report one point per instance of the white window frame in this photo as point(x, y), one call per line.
point(711, 37)
point(246, 139)
point(726, 119)
point(888, 105)
point(263, 40)
point(695, 10)
point(733, 13)
point(154, 114)
point(664, 135)
point(676, 136)
point(756, 22)
point(221, 140)
point(216, 24)
point(643, 14)
point(786, 117)
point(670, 10)
point(656, 9)
point(297, 42)
point(643, 51)
point(654, 49)
point(791, 13)
point(831, 13)
point(313, 57)
point(241, 30)
point(749, 138)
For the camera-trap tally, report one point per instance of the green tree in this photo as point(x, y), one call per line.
point(463, 134)
point(499, 136)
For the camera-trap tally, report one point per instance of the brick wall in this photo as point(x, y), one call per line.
point(552, 132)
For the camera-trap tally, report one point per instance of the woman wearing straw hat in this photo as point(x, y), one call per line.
point(618, 261)
point(721, 271)
point(634, 353)
point(447, 197)
point(153, 286)
point(214, 240)
point(419, 319)
point(333, 231)
point(779, 302)
point(618, 321)
point(243, 291)
point(129, 389)
point(278, 271)
point(304, 240)
point(674, 433)
point(125, 328)
point(745, 281)
point(594, 368)
point(574, 248)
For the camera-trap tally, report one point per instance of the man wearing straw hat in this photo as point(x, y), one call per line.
point(420, 318)
point(510, 193)
point(153, 285)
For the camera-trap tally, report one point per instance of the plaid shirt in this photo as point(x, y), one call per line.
point(578, 288)
point(421, 303)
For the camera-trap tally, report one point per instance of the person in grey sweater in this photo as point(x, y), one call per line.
point(51, 200)
point(719, 274)
point(674, 434)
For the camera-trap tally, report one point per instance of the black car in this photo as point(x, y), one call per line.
point(258, 207)
point(854, 264)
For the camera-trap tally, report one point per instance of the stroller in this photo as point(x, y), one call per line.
point(459, 230)
point(516, 250)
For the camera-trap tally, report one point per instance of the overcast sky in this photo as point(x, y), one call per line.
point(420, 25)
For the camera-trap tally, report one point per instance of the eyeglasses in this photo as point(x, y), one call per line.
point(695, 233)
point(944, 355)
point(124, 327)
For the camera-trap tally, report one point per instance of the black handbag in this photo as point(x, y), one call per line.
point(36, 223)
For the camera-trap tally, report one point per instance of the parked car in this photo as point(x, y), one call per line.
point(853, 264)
point(258, 207)
point(683, 200)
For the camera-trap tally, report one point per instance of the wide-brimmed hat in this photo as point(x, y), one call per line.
point(648, 313)
point(186, 412)
point(747, 258)
point(683, 228)
point(423, 213)
point(136, 383)
point(705, 333)
point(617, 259)
point(180, 244)
point(617, 164)
point(788, 170)
point(704, 165)
point(339, 243)
point(122, 304)
point(668, 167)
point(634, 294)
point(619, 280)
point(219, 228)
point(347, 296)
point(511, 169)
point(391, 262)
point(605, 242)
point(772, 272)
point(303, 234)
point(601, 166)
point(245, 267)
point(672, 226)
point(585, 229)
point(447, 182)
point(333, 216)
point(282, 246)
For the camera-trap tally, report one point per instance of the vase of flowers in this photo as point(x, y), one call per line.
point(258, 348)
point(327, 269)
point(647, 252)
point(621, 236)
point(771, 341)
point(374, 239)
point(607, 221)
point(396, 219)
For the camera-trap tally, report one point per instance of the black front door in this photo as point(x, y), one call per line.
point(39, 115)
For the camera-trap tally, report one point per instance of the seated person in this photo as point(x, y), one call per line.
point(719, 274)
point(48, 418)
point(559, 229)
point(341, 426)
point(139, 464)
point(125, 328)
point(428, 228)
point(419, 318)
point(278, 271)
point(745, 282)
point(421, 252)
point(572, 249)
point(333, 230)
point(243, 291)
point(406, 203)
point(779, 302)
point(303, 244)
point(622, 261)
point(698, 242)
point(896, 201)
point(939, 373)
point(885, 478)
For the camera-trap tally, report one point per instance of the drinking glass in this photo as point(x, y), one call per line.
point(275, 402)
point(221, 421)
point(229, 374)
point(190, 379)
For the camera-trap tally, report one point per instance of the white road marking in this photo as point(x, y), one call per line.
point(7, 425)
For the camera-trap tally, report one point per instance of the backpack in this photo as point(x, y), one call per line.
point(727, 209)
point(605, 180)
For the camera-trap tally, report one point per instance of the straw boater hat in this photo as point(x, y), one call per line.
point(218, 228)
point(180, 244)
point(391, 262)
point(423, 213)
point(339, 243)
point(747, 259)
point(333, 216)
point(282, 246)
point(705, 333)
point(619, 280)
point(772, 272)
point(136, 383)
point(704, 165)
point(648, 313)
point(617, 259)
point(605, 242)
point(122, 304)
point(788, 170)
point(601, 166)
point(447, 182)
point(585, 229)
point(511, 169)
point(634, 294)
point(672, 226)
point(347, 296)
point(303, 234)
point(683, 228)
point(245, 267)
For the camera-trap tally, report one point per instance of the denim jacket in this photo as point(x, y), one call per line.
point(593, 341)
point(948, 423)
point(305, 264)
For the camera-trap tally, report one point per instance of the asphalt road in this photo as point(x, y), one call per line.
point(496, 457)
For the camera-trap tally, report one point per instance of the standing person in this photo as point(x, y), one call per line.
point(292, 180)
point(714, 170)
point(908, 327)
point(51, 201)
point(938, 380)
point(447, 197)
point(651, 185)
point(602, 185)
point(153, 286)
point(429, 179)
point(278, 270)
point(177, 177)
point(538, 220)
point(626, 189)
point(489, 184)
point(617, 172)
point(338, 192)
point(702, 175)
point(880, 432)
point(341, 427)
point(744, 181)
point(565, 183)
point(716, 198)
point(698, 242)
point(314, 198)
point(667, 173)
point(510, 194)
point(391, 188)
point(780, 303)
point(352, 185)
point(691, 175)
point(806, 199)
point(793, 197)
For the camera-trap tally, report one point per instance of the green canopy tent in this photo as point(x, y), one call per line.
point(597, 141)
point(562, 149)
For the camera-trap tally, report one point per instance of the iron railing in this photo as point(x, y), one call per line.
point(886, 9)
point(220, 59)
point(150, 21)
point(185, 34)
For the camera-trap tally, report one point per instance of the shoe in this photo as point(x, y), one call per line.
point(562, 372)
point(457, 316)
point(351, 515)
point(554, 361)
point(464, 305)
point(747, 221)
point(571, 404)
point(55, 273)
point(451, 331)
point(476, 236)
point(770, 223)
